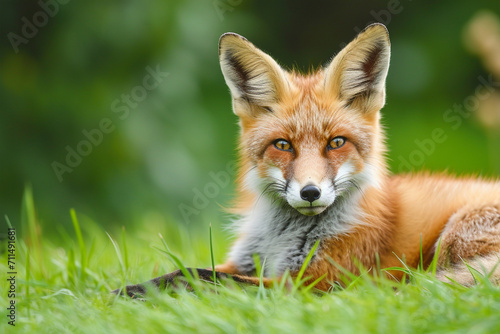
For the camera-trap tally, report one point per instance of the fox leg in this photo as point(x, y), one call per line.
point(471, 235)
point(175, 279)
point(222, 272)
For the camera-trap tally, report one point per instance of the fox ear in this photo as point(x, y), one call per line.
point(252, 76)
point(357, 74)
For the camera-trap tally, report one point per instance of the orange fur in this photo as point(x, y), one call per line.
point(399, 214)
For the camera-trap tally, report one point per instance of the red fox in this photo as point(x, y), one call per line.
point(312, 167)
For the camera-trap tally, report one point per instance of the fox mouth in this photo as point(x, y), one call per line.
point(311, 210)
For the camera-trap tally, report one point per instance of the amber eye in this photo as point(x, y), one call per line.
point(283, 145)
point(336, 143)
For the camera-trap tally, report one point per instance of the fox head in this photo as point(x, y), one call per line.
point(309, 140)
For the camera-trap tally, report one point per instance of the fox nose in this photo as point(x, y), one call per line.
point(310, 193)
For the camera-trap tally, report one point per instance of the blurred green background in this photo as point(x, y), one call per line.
point(63, 78)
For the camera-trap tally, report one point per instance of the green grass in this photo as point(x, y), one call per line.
point(64, 280)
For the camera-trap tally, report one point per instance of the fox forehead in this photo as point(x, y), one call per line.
point(308, 117)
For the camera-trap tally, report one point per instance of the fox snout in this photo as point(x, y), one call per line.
point(310, 193)
point(310, 198)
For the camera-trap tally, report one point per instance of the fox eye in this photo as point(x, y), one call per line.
point(336, 143)
point(283, 145)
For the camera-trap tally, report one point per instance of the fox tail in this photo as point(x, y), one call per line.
point(472, 271)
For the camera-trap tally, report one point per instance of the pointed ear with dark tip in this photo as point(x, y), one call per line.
point(253, 77)
point(357, 74)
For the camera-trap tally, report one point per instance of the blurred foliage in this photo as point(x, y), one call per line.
point(65, 78)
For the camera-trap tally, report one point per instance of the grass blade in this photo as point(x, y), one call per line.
point(305, 264)
point(8, 221)
point(433, 265)
point(119, 255)
point(81, 244)
point(256, 261)
point(189, 276)
point(283, 280)
point(71, 267)
point(125, 252)
point(421, 254)
point(212, 255)
point(120, 261)
point(28, 273)
point(476, 274)
point(262, 290)
point(314, 283)
point(31, 228)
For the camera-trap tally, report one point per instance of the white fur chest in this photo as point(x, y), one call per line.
point(283, 238)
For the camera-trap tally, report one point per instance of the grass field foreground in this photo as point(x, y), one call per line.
point(63, 284)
